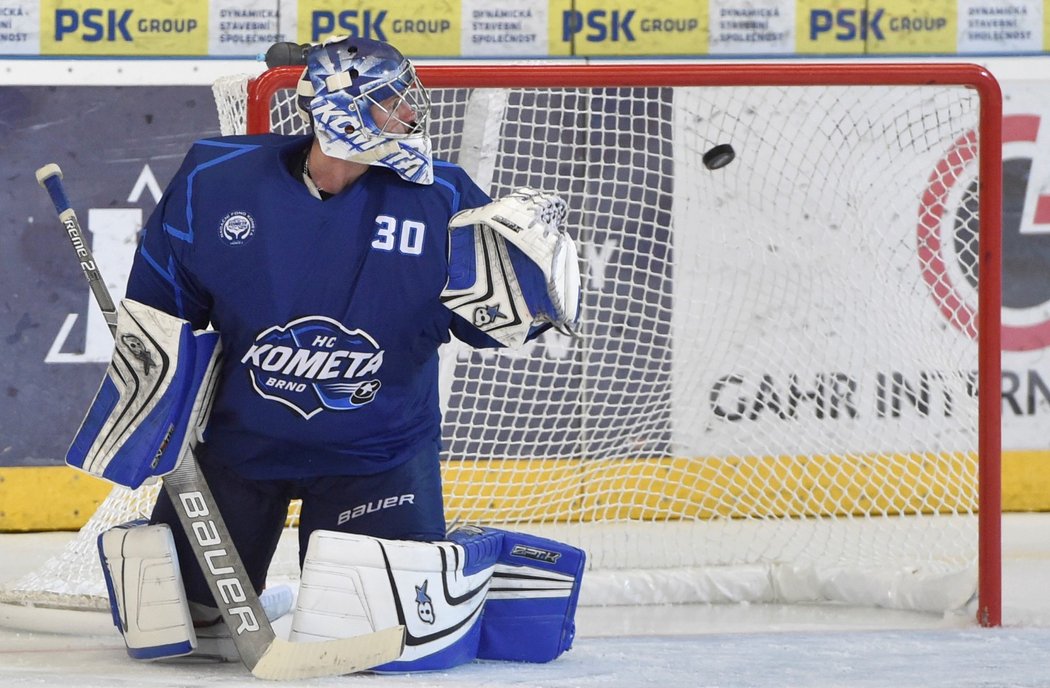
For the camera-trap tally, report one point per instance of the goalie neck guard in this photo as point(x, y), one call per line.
point(365, 104)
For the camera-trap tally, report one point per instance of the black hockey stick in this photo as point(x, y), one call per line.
point(265, 655)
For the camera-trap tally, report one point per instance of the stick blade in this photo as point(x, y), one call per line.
point(284, 660)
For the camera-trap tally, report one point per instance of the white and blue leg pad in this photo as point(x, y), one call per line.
point(353, 584)
point(153, 403)
point(146, 595)
point(531, 607)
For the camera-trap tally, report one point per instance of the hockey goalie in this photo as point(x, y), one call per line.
point(282, 322)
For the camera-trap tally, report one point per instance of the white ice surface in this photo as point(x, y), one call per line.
point(747, 646)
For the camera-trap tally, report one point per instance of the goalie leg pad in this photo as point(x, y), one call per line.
point(146, 595)
point(154, 401)
point(531, 607)
point(353, 584)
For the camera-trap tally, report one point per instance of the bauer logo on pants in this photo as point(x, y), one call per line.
point(315, 363)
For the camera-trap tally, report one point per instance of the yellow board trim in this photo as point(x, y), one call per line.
point(1026, 481)
point(708, 487)
point(48, 498)
point(60, 498)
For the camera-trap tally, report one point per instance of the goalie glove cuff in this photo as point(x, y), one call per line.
point(564, 286)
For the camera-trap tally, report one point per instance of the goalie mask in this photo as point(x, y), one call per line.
point(365, 104)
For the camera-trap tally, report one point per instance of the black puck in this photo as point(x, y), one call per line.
point(719, 156)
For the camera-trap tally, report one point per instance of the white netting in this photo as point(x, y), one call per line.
point(775, 393)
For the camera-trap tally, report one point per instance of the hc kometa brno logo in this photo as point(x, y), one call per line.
point(313, 364)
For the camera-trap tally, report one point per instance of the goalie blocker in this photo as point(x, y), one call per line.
point(483, 594)
point(154, 401)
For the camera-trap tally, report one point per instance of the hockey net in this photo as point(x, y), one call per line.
point(786, 389)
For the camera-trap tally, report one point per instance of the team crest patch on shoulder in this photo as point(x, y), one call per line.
point(314, 364)
point(237, 228)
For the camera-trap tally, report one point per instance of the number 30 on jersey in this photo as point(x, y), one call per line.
point(404, 236)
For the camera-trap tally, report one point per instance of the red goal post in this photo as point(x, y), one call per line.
point(980, 145)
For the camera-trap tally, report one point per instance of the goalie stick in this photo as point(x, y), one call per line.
point(263, 653)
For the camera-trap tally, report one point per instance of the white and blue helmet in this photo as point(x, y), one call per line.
point(347, 84)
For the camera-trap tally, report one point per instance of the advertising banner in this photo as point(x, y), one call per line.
point(124, 27)
point(492, 29)
point(629, 27)
point(988, 27)
point(756, 28)
point(244, 27)
point(529, 29)
point(19, 27)
point(118, 147)
point(421, 27)
point(882, 27)
point(1026, 265)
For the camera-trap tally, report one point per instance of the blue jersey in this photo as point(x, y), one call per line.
point(328, 311)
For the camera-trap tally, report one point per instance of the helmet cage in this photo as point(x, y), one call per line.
point(366, 104)
point(388, 99)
